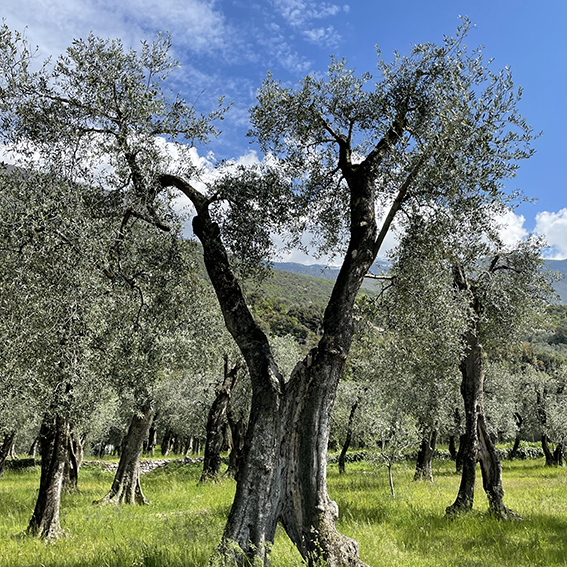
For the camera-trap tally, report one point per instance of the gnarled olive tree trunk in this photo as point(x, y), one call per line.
point(217, 422)
point(477, 444)
point(126, 488)
point(54, 445)
point(282, 477)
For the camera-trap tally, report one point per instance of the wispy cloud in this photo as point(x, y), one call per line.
point(301, 14)
point(196, 24)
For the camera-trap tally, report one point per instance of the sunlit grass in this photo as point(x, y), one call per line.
point(184, 523)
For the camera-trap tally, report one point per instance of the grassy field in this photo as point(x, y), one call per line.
point(185, 521)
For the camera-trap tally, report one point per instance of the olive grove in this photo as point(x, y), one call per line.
point(433, 135)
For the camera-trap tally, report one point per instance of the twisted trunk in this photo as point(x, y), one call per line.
point(126, 488)
point(283, 472)
point(54, 445)
point(282, 477)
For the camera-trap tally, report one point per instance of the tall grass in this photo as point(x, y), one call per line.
point(184, 523)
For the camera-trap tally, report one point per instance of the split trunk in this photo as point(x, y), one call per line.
point(477, 444)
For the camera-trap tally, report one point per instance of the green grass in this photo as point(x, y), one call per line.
point(185, 521)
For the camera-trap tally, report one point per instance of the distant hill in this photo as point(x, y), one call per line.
point(322, 272)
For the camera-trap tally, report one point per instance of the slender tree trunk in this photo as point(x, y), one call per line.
point(452, 448)
point(549, 461)
point(423, 469)
point(54, 444)
point(478, 444)
point(33, 448)
point(238, 432)
point(217, 422)
point(7, 444)
point(151, 441)
point(391, 480)
point(196, 445)
point(126, 488)
point(519, 421)
point(166, 443)
point(460, 453)
point(558, 455)
point(348, 438)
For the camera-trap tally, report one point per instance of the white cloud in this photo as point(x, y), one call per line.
point(553, 226)
point(300, 14)
point(512, 228)
point(324, 37)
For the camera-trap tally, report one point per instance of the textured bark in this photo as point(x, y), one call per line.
point(423, 469)
point(217, 422)
point(5, 450)
point(54, 444)
point(126, 488)
point(348, 438)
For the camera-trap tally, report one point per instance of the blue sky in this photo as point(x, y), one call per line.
point(226, 47)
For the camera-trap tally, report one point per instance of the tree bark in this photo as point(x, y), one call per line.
point(558, 455)
point(238, 432)
point(5, 450)
point(33, 448)
point(519, 421)
point(167, 443)
point(452, 448)
point(460, 453)
point(54, 444)
point(151, 441)
point(126, 488)
point(217, 422)
point(348, 438)
point(549, 461)
point(423, 469)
